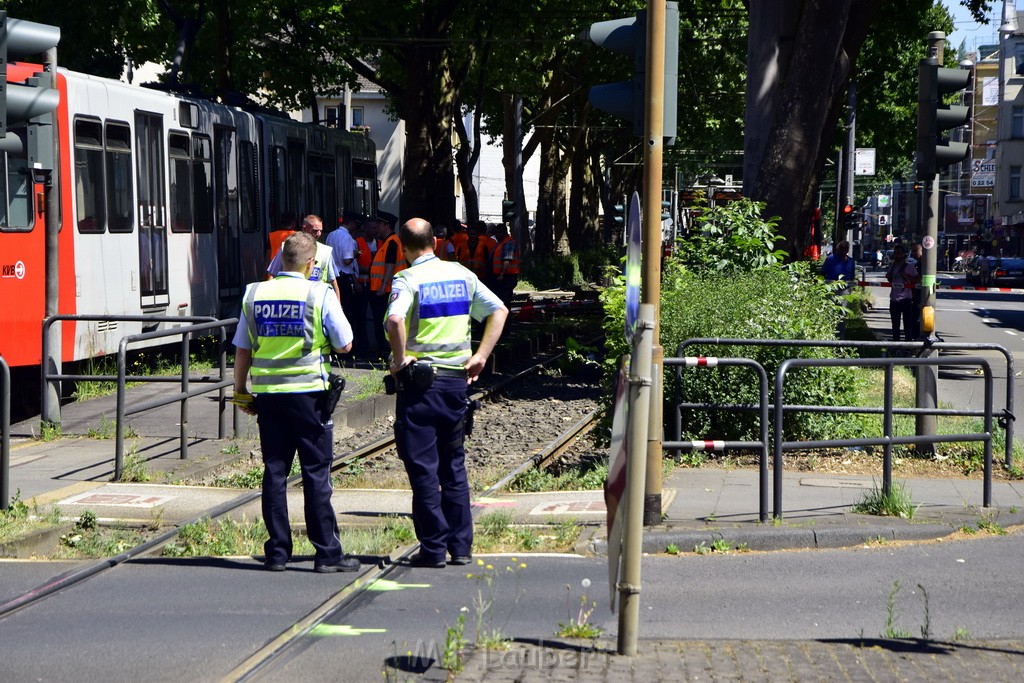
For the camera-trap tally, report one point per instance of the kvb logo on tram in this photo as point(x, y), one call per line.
point(14, 270)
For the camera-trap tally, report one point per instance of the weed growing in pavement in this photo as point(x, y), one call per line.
point(87, 539)
point(961, 634)
point(702, 548)
point(968, 529)
point(579, 626)
point(720, 546)
point(134, 468)
point(577, 479)
point(896, 504)
point(369, 384)
point(496, 533)
point(251, 478)
point(50, 431)
point(891, 631)
point(18, 519)
point(488, 634)
point(452, 658)
point(989, 525)
point(672, 549)
point(231, 449)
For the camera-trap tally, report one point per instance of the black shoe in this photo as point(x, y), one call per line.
point(274, 567)
point(420, 560)
point(461, 560)
point(345, 564)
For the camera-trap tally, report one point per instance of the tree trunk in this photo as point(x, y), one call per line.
point(829, 38)
point(466, 157)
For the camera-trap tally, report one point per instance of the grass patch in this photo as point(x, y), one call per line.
point(896, 504)
point(495, 533)
point(18, 520)
point(367, 385)
point(207, 538)
point(586, 478)
point(88, 540)
point(134, 469)
point(249, 478)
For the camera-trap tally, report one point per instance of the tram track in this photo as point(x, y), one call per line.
point(359, 454)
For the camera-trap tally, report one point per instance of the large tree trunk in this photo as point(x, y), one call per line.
point(547, 193)
point(828, 38)
point(428, 110)
point(466, 157)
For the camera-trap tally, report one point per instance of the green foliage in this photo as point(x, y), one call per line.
point(588, 478)
point(731, 238)
point(454, 647)
point(897, 503)
point(569, 271)
point(134, 469)
point(578, 625)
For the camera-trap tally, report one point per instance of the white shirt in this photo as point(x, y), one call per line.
point(344, 246)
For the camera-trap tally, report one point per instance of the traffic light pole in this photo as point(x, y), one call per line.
point(654, 127)
point(927, 377)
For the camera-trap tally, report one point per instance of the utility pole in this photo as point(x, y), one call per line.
point(654, 127)
point(851, 151)
point(927, 376)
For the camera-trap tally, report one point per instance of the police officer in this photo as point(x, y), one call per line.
point(323, 267)
point(428, 322)
point(286, 330)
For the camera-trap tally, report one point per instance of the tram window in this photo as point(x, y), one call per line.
point(296, 176)
point(202, 183)
point(178, 148)
point(89, 195)
point(15, 206)
point(247, 185)
point(316, 197)
point(119, 177)
point(278, 186)
point(331, 213)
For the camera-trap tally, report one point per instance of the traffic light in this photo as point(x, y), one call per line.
point(666, 209)
point(618, 215)
point(850, 221)
point(19, 103)
point(627, 99)
point(933, 117)
point(508, 210)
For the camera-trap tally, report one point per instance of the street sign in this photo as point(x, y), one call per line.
point(864, 161)
point(883, 219)
point(883, 201)
point(634, 272)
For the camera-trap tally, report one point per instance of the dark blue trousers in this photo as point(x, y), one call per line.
point(290, 423)
point(428, 435)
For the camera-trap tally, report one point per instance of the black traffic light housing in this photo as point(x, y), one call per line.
point(627, 99)
point(20, 103)
point(618, 215)
point(508, 210)
point(933, 117)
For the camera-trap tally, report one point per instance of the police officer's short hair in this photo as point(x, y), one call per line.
point(296, 251)
point(416, 234)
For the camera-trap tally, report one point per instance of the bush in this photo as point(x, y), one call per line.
point(744, 291)
point(569, 271)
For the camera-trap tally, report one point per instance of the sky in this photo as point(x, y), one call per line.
point(968, 31)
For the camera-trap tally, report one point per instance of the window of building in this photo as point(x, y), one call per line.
point(1017, 123)
point(331, 117)
point(357, 117)
point(1014, 189)
point(1018, 58)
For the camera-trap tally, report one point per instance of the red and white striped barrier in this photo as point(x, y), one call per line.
point(531, 306)
point(964, 288)
point(700, 361)
point(707, 445)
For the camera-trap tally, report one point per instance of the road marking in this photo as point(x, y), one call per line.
point(115, 499)
point(1010, 332)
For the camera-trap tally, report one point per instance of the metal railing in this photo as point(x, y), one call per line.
point(5, 434)
point(888, 439)
point(1006, 417)
point(713, 445)
point(778, 406)
point(219, 384)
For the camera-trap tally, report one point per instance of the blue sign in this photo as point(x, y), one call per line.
point(634, 271)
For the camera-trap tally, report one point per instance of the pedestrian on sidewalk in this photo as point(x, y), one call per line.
point(286, 330)
point(839, 267)
point(903, 276)
point(432, 363)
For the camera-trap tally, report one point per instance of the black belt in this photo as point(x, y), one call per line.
point(449, 372)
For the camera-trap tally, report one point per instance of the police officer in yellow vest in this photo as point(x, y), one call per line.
point(285, 333)
point(324, 269)
point(428, 324)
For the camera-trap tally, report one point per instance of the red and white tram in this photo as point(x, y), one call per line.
point(165, 204)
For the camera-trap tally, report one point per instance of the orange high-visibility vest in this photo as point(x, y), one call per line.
point(365, 260)
point(476, 260)
point(440, 245)
point(378, 266)
point(496, 260)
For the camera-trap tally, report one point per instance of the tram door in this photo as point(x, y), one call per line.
point(152, 206)
point(229, 265)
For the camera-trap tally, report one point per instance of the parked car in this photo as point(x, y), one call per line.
point(990, 271)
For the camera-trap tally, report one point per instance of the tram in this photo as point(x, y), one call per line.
point(165, 204)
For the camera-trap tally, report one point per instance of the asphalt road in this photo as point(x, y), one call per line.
point(173, 620)
point(970, 317)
